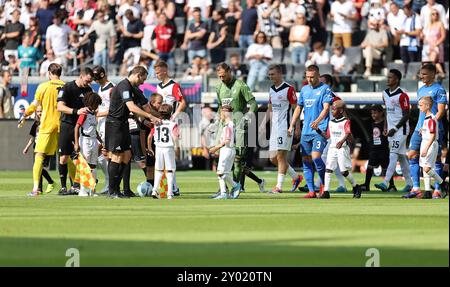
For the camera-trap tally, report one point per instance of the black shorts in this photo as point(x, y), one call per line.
point(117, 136)
point(66, 139)
point(136, 149)
point(379, 158)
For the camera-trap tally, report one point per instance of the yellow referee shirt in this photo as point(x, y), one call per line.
point(46, 94)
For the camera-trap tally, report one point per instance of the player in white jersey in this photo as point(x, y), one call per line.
point(429, 150)
point(164, 136)
point(338, 133)
point(227, 152)
point(87, 137)
point(104, 91)
point(172, 95)
point(282, 101)
point(397, 130)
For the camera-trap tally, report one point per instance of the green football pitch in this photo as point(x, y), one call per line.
point(192, 230)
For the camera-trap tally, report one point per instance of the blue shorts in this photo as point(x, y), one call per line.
point(312, 143)
point(416, 139)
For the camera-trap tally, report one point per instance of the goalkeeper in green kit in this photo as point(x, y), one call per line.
point(237, 94)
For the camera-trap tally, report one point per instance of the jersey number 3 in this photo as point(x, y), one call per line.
point(164, 132)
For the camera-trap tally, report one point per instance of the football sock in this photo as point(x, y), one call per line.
point(351, 179)
point(393, 157)
point(158, 177)
point(339, 177)
point(292, 173)
point(37, 169)
point(391, 182)
point(222, 184)
point(103, 164)
point(427, 181)
point(433, 174)
point(47, 176)
point(404, 164)
point(309, 175)
point(62, 168)
point(229, 180)
point(72, 170)
point(114, 175)
point(369, 174)
point(126, 176)
point(242, 179)
point(438, 168)
point(415, 171)
point(327, 181)
point(280, 180)
point(320, 167)
point(144, 169)
point(238, 168)
point(253, 176)
point(170, 184)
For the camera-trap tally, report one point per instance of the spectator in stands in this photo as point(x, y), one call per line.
point(232, 16)
point(50, 58)
point(433, 42)
point(343, 14)
point(426, 13)
point(338, 59)
point(45, 16)
point(206, 69)
point(168, 8)
point(288, 10)
point(13, 34)
point(217, 37)
point(299, 39)
point(13, 65)
point(105, 39)
point(194, 70)
point(395, 19)
point(409, 33)
point(316, 12)
point(319, 56)
point(150, 14)
point(6, 102)
point(165, 36)
point(76, 55)
point(374, 45)
point(57, 38)
point(258, 55)
point(238, 70)
point(247, 25)
point(121, 18)
point(376, 12)
point(4, 64)
point(196, 36)
point(10, 6)
point(205, 7)
point(28, 56)
point(269, 18)
point(82, 18)
point(33, 33)
point(27, 13)
point(132, 36)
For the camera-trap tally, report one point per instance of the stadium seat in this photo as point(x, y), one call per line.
point(325, 69)
point(287, 59)
point(409, 85)
point(299, 72)
point(365, 86)
point(289, 71)
point(230, 51)
point(180, 57)
point(264, 86)
point(277, 56)
point(353, 58)
point(398, 66)
point(413, 69)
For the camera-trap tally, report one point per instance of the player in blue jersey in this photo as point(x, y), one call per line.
point(439, 96)
point(315, 99)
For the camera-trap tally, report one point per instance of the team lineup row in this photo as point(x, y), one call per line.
point(75, 119)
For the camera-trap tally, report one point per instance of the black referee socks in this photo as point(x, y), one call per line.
point(62, 168)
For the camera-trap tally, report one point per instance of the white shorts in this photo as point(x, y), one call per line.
point(430, 159)
point(165, 158)
point(226, 160)
point(89, 149)
point(339, 158)
point(279, 140)
point(132, 56)
point(397, 143)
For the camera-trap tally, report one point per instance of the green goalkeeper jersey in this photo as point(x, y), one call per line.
point(238, 95)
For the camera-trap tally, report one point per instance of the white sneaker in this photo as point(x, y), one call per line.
point(262, 186)
point(367, 73)
point(170, 196)
point(83, 193)
point(155, 194)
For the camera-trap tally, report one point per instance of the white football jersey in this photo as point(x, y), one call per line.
point(396, 102)
point(105, 94)
point(337, 129)
point(228, 133)
point(281, 98)
point(429, 128)
point(171, 93)
point(88, 123)
point(163, 134)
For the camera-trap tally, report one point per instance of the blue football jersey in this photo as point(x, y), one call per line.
point(312, 101)
point(439, 96)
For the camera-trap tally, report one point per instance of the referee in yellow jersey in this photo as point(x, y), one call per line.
point(47, 139)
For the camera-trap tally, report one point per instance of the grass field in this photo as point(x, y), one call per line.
point(193, 230)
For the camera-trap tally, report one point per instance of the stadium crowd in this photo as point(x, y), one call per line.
point(125, 33)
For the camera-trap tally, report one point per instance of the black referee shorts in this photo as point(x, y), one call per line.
point(66, 139)
point(379, 158)
point(117, 136)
